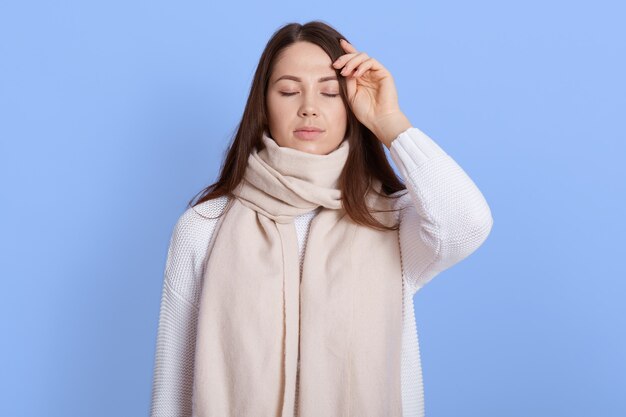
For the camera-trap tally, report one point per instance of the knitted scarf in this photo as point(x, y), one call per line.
point(342, 317)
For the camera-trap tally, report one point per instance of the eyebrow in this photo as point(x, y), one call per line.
point(294, 78)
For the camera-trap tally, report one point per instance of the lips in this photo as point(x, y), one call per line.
point(308, 134)
point(309, 129)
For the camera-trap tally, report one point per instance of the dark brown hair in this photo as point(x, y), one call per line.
point(366, 159)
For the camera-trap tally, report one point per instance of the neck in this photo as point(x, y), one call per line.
point(320, 170)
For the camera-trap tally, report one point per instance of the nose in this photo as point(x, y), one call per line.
point(308, 107)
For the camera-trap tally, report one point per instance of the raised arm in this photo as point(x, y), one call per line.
point(445, 217)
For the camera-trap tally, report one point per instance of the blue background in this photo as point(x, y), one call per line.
point(114, 114)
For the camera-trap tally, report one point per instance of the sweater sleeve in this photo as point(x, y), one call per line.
point(172, 381)
point(444, 216)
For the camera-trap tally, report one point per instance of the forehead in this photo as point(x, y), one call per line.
point(303, 58)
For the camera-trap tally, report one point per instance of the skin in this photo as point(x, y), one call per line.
point(372, 97)
point(310, 105)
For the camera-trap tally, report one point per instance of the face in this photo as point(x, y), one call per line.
point(303, 92)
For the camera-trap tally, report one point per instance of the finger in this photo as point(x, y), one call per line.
point(342, 59)
point(354, 62)
point(351, 86)
point(365, 66)
point(371, 65)
point(347, 45)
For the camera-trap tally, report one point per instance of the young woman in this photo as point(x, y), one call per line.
point(289, 284)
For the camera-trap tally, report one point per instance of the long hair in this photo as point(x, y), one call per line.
point(366, 159)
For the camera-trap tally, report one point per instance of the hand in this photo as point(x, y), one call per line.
point(372, 94)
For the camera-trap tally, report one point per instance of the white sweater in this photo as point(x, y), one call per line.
point(447, 221)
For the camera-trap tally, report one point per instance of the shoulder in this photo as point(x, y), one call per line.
point(195, 225)
point(188, 246)
point(210, 208)
point(207, 209)
point(204, 213)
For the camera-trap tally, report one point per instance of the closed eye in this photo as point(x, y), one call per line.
point(291, 94)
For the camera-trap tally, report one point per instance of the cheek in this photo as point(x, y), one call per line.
point(274, 110)
point(278, 107)
point(271, 106)
point(340, 115)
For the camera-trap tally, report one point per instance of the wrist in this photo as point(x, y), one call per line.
point(389, 126)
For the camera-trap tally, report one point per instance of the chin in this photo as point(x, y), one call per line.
point(312, 148)
point(315, 147)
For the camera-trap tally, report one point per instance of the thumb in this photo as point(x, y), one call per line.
point(351, 86)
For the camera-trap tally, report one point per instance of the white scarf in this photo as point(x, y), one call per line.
point(344, 314)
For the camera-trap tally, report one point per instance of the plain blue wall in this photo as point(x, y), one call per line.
point(114, 114)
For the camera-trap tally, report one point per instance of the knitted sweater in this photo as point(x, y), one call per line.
point(447, 219)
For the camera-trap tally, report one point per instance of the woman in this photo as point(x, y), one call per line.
point(289, 284)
